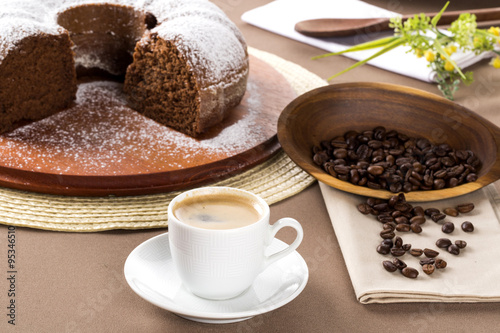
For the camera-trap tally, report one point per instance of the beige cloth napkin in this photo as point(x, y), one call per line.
point(471, 276)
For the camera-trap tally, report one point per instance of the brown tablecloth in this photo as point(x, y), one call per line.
point(71, 282)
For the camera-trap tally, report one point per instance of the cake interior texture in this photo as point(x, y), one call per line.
point(39, 72)
point(160, 84)
point(39, 83)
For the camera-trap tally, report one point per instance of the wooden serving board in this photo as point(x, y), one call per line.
point(101, 147)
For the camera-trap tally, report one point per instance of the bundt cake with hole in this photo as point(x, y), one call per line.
point(184, 64)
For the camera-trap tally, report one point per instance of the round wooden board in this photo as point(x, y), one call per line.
point(101, 147)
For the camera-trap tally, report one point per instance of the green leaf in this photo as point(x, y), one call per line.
point(361, 47)
point(436, 18)
point(389, 47)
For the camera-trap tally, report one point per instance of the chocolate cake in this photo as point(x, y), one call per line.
point(184, 63)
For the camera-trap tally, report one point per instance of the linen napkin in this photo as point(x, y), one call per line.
point(280, 17)
point(471, 276)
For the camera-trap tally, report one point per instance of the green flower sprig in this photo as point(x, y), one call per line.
point(423, 37)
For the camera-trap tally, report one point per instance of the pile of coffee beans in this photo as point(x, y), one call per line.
point(399, 216)
point(382, 159)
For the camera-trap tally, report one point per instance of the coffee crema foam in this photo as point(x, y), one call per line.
point(218, 211)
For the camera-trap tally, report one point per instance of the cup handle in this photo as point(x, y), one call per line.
point(281, 223)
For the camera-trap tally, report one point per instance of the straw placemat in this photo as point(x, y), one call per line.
point(274, 180)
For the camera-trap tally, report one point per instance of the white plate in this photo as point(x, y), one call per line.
point(150, 272)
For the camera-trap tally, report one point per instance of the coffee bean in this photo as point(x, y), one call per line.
point(418, 211)
point(431, 211)
point(401, 227)
point(375, 170)
point(385, 218)
point(402, 220)
point(460, 243)
point(364, 208)
point(389, 266)
point(443, 243)
point(437, 217)
point(398, 242)
point(417, 219)
point(467, 226)
point(397, 251)
point(340, 153)
point(440, 263)
point(342, 169)
point(453, 249)
point(406, 247)
point(428, 269)
point(471, 177)
point(403, 207)
point(465, 208)
point(409, 272)
point(400, 264)
point(389, 225)
point(427, 261)
point(416, 252)
point(430, 253)
point(383, 249)
point(387, 234)
point(448, 227)
point(388, 242)
point(451, 211)
point(416, 228)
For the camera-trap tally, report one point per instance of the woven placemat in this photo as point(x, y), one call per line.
point(274, 180)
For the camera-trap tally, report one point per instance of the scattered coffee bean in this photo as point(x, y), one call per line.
point(398, 215)
point(440, 263)
point(400, 264)
point(428, 269)
point(410, 272)
point(397, 251)
point(388, 242)
point(430, 253)
point(467, 226)
point(437, 217)
point(364, 208)
point(465, 208)
point(431, 211)
point(389, 225)
point(418, 211)
point(383, 249)
point(401, 220)
point(427, 261)
point(417, 219)
point(451, 211)
point(389, 266)
point(443, 243)
point(448, 227)
point(387, 234)
point(416, 252)
point(416, 228)
point(401, 227)
point(453, 249)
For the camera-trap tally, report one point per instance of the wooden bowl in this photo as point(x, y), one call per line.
point(331, 111)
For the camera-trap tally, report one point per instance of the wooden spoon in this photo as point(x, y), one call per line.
point(333, 27)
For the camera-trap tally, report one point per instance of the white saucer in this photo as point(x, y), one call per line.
point(150, 272)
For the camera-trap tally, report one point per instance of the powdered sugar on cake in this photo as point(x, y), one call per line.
point(101, 135)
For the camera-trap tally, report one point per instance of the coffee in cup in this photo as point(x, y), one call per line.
point(224, 211)
point(218, 237)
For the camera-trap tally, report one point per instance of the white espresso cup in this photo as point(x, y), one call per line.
point(218, 237)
